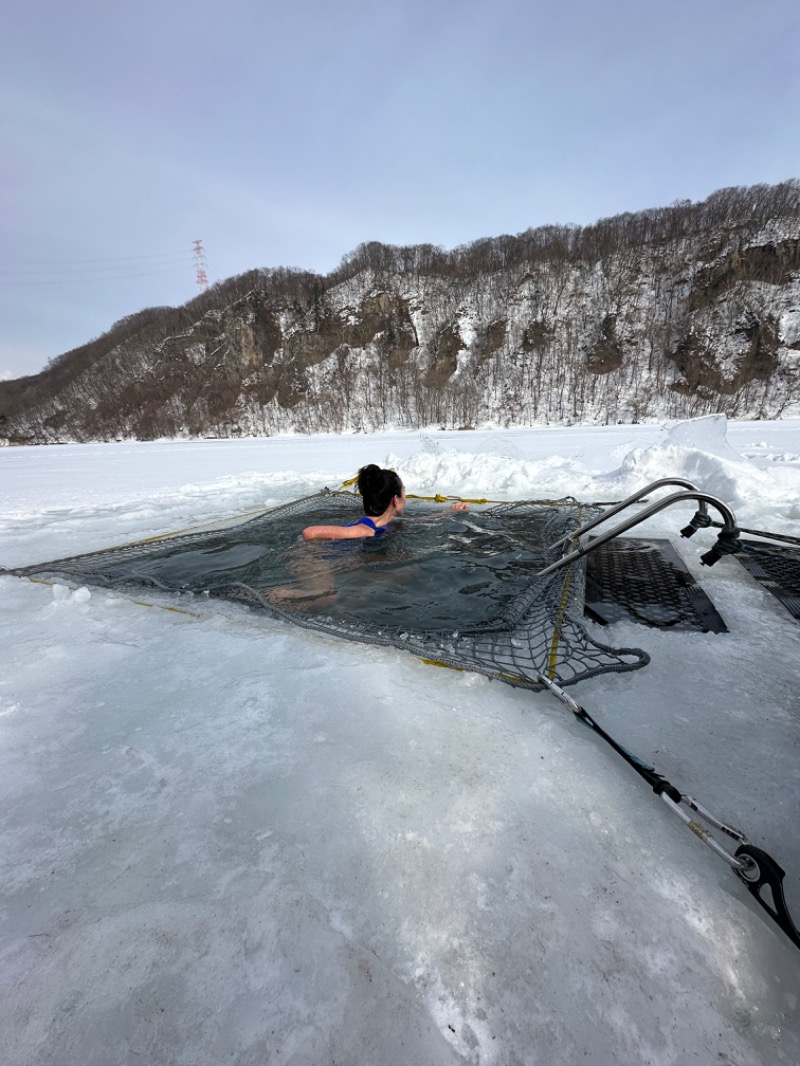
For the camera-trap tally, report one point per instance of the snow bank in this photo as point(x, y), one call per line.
point(224, 839)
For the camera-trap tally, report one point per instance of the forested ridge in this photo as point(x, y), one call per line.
point(666, 313)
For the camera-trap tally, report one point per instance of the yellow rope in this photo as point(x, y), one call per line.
point(464, 669)
point(437, 498)
point(444, 666)
point(164, 607)
point(552, 661)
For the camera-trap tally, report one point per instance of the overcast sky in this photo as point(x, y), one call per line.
point(287, 133)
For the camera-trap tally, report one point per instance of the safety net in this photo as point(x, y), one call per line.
point(459, 589)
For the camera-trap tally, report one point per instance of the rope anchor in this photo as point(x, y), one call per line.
point(759, 871)
point(754, 867)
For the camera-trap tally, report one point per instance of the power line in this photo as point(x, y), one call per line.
point(93, 259)
point(88, 271)
point(49, 272)
point(17, 281)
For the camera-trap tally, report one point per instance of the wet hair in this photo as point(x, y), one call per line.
point(378, 488)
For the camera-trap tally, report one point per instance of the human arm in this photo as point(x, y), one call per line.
point(337, 532)
point(444, 512)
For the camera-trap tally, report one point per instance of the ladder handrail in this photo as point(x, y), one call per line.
point(728, 518)
point(626, 503)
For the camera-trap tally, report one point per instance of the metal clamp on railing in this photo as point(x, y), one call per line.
point(727, 541)
point(701, 831)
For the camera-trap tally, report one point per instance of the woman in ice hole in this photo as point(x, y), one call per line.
point(384, 499)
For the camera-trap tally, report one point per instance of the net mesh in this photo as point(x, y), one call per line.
point(457, 589)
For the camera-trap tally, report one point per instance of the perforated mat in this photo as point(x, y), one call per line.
point(645, 581)
point(777, 568)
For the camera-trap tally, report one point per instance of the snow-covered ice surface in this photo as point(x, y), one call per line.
point(228, 840)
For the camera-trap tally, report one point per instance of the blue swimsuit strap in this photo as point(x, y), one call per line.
point(365, 521)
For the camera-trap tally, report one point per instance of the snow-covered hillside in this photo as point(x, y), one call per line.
point(228, 840)
point(671, 313)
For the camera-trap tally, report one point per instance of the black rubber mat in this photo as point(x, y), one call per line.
point(777, 568)
point(645, 581)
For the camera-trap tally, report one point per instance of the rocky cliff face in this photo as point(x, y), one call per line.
point(668, 313)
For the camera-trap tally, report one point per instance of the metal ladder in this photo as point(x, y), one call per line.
point(727, 539)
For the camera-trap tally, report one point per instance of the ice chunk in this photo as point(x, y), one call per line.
point(707, 434)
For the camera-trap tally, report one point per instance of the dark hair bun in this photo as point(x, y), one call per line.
point(369, 477)
point(377, 488)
